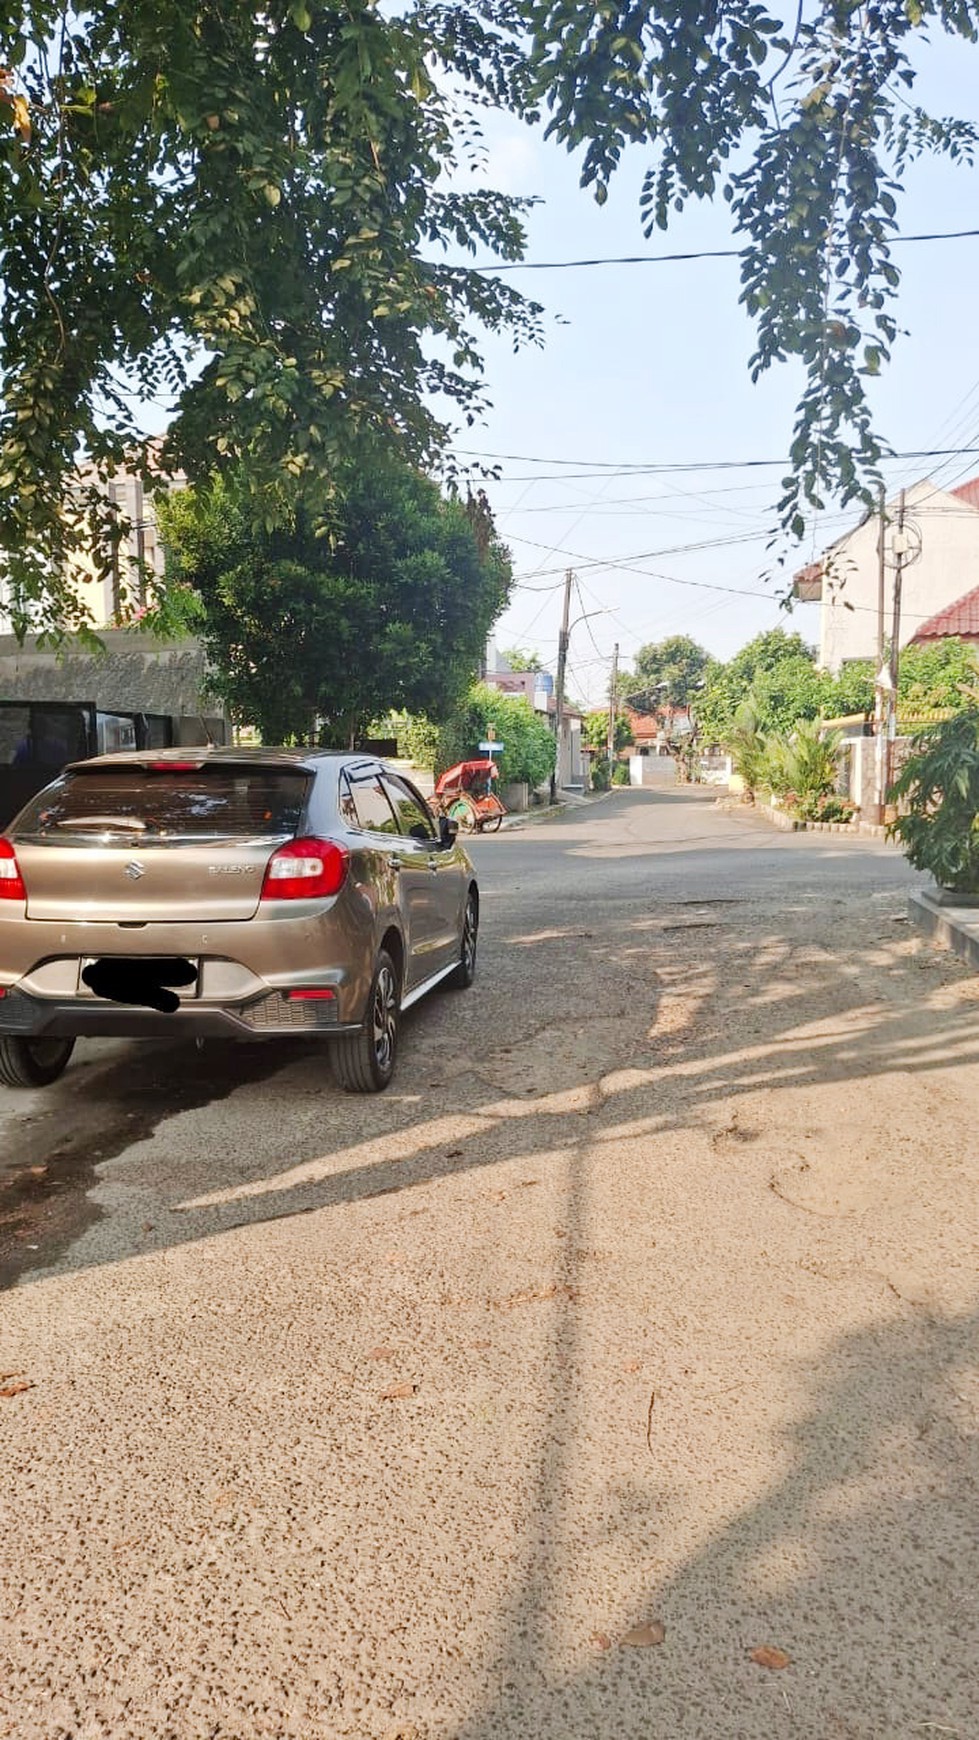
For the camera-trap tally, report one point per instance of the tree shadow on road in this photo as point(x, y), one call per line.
point(688, 1009)
point(858, 1558)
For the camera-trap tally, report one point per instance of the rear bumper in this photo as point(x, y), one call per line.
point(267, 1017)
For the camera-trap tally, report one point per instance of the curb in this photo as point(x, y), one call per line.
point(789, 824)
point(956, 927)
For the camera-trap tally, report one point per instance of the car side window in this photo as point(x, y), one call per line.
point(414, 816)
point(370, 807)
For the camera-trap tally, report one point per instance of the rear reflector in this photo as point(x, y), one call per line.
point(305, 870)
point(11, 881)
point(312, 994)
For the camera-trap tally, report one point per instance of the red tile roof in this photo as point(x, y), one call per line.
point(968, 492)
point(960, 618)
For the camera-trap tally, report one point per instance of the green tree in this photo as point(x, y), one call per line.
point(242, 209)
point(804, 120)
point(312, 636)
point(938, 791)
point(935, 674)
point(777, 670)
point(519, 660)
point(667, 672)
point(594, 730)
point(931, 675)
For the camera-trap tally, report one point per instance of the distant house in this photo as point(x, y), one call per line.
point(941, 570)
point(120, 595)
point(652, 733)
point(537, 687)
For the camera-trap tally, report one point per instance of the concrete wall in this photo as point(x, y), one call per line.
point(948, 567)
point(135, 674)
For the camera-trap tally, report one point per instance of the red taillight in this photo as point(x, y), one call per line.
point(172, 766)
point(11, 881)
point(308, 994)
point(305, 870)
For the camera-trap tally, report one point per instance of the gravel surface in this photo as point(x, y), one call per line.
point(614, 1375)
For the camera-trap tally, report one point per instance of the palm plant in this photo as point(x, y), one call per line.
point(747, 747)
point(804, 765)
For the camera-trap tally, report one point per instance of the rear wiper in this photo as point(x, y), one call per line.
point(86, 824)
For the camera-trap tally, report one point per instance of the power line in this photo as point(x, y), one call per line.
point(599, 467)
point(672, 259)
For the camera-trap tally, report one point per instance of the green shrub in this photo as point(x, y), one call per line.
point(938, 790)
point(620, 774)
point(802, 767)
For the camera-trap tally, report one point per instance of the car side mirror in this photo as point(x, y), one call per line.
point(448, 830)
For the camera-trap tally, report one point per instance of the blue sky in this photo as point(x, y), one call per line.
point(647, 365)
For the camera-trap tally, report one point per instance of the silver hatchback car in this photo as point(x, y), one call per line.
point(228, 892)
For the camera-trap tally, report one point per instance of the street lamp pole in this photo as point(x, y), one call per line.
point(562, 661)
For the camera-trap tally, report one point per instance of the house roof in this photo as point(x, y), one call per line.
point(807, 583)
point(968, 492)
point(960, 618)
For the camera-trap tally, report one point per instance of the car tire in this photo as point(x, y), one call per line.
point(363, 1062)
point(464, 972)
point(32, 1062)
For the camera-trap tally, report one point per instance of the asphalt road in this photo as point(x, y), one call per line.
point(645, 1298)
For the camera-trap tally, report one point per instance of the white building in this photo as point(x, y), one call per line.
point(941, 564)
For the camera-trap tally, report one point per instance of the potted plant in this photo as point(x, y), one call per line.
point(937, 793)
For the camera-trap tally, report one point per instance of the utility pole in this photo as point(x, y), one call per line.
point(612, 708)
point(562, 660)
point(899, 545)
point(880, 702)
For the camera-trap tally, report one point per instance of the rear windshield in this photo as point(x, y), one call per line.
point(136, 802)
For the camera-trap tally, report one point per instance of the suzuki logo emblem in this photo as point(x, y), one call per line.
point(134, 870)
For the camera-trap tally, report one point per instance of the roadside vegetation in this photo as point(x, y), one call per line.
point(311, 637)
point(260, 217)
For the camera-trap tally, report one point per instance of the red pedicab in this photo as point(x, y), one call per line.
point(465, 792)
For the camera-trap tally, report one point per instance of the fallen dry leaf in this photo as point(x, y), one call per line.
point(399, 1392)
point(632, 1365)
point(37, 1171)
point(767, 1656)
point(15, 1389)
point(452, 1153)
point(4, 1375)
point(600, 1640)
point(381, 1353)
point(644, 1636)
point(499, 1195)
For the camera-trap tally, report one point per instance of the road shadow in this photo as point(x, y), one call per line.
point(858, 1562)
point(689, 1006)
